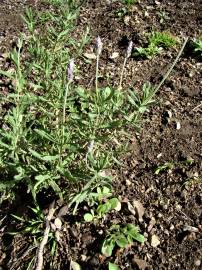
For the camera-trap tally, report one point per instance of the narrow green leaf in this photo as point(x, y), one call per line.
point(139, 237)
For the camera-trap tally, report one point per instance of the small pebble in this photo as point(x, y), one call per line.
point(197, 262)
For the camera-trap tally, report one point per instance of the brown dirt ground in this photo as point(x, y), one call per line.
point(167, 200)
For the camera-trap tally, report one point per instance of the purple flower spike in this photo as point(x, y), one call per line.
point(70, 70)
point(99, 45)
point(129, 49)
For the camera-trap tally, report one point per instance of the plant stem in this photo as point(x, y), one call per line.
point(122, 72)
point(96, 75)
point(171, 68)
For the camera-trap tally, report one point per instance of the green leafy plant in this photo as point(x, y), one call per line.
point(156, 42)
point(165, 166)
point(129, 2)
point(163, 15)
point(171, 165)
point(197, 44)
point(121, 236)
point(102, 209)
point(162, 39)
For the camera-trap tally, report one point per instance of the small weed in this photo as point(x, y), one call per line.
point(148, 52)
point(156, 42)
point(164, 167)
point(164, 39)
point(193, 181)
point(32, 226)
point(129, 2)
point(163, 16)
point(172, 165)
point(122, 237)
point(197, 44)
point(104, 204)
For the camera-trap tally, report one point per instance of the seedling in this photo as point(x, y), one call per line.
point(163, 15)
point(121, 237)
point(164, 167)
point(104, 204)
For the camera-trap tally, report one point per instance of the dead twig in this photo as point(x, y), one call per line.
point(44, 241)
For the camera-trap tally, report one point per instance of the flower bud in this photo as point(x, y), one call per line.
point(99, 45)
point(129, 49)
point(70, 70)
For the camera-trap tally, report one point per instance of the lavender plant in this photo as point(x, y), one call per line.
point(57, 134)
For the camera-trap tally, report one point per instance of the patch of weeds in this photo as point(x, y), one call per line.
point(172, 165)
point(157, 41)
point(121, 236)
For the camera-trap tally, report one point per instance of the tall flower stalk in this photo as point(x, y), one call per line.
point(70, 76)
point(128, 54)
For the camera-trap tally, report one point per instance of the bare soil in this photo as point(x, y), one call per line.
point(171, 132)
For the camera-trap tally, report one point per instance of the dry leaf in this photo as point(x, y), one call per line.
point(141, 264)
point(63, 211)
point(131, 208)
point(114, 55)
point(118, 207)
point(75, 266)
point(90, 55)
point(155, 241)
point(139, 208)
point(58, 223)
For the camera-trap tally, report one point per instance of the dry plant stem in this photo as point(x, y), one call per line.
point(44, 241)
point(171, 68)
point(122, 72)
point(96, 75)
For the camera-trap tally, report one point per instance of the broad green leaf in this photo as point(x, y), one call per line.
point(113, 203)
point(121, 241)
point(112, 266)
point(88, 217)
point(107, 248)
point(139, 237)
